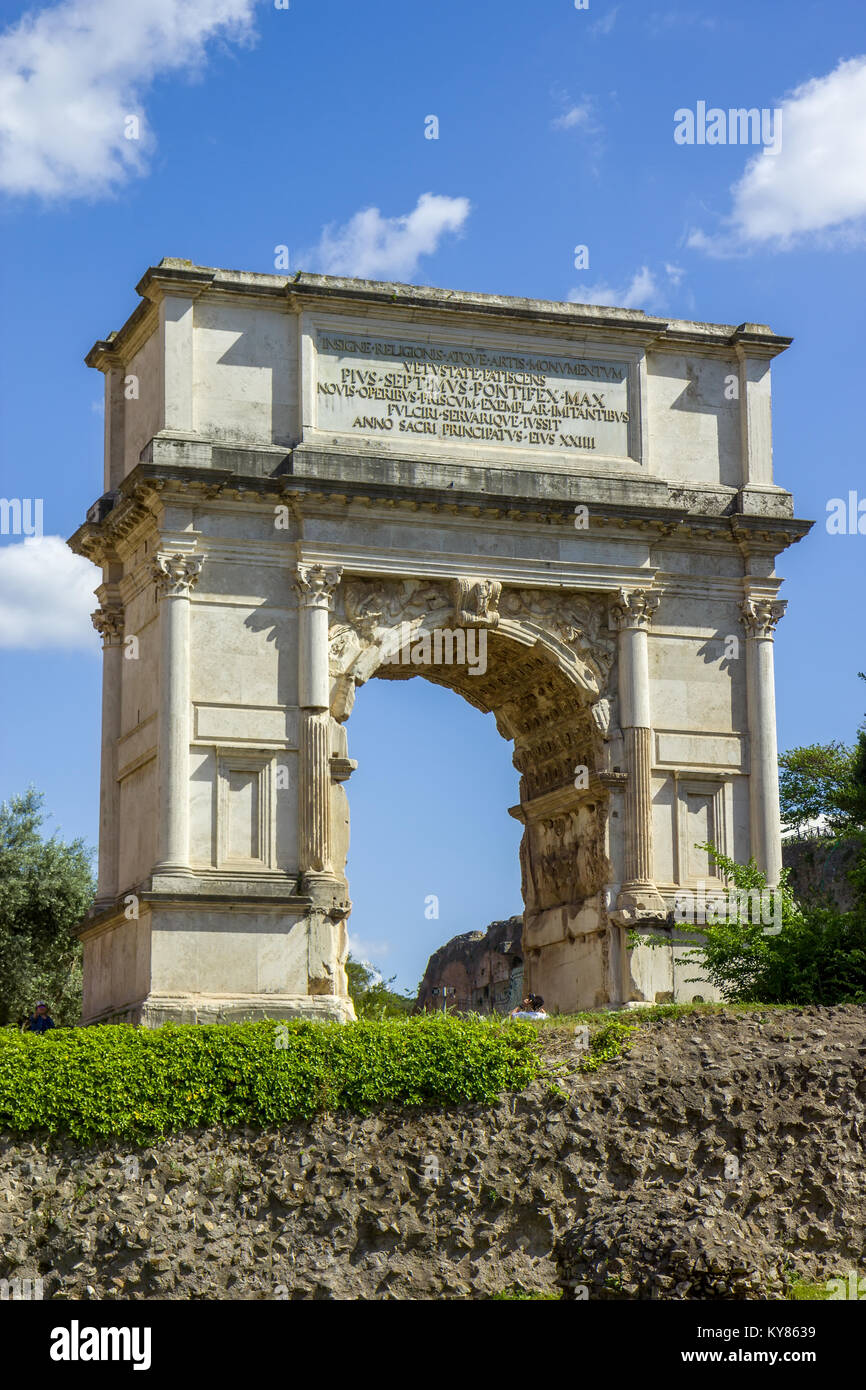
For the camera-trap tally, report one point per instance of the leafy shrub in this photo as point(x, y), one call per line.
point(132, 1083)
point(817, 957)
point(612, 1040)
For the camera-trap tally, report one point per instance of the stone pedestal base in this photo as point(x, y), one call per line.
point(156, 1009)
point(214, 955)
point(572, 957)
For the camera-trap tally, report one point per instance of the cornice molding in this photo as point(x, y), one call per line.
point(304, 290)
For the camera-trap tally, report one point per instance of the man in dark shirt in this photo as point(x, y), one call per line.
point(41, 1021)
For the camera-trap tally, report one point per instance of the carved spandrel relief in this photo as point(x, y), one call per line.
point(577, 622)
point(368, 607)
point(556, 717)
point(375, 603)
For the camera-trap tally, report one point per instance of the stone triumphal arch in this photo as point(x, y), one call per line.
point(566, 514)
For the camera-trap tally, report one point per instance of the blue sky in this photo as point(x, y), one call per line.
point(262, 127)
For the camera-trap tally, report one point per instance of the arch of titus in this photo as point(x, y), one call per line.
point(312, 481)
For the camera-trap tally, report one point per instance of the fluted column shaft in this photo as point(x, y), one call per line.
point(760, 617)
point(638, 865)
point(108, 621)
point(315, 585)
point(176, 576)
point(631, 615)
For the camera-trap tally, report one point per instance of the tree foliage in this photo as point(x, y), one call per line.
point(813, 782)
point(46, 887)
point(825, 780)
point(372, 995)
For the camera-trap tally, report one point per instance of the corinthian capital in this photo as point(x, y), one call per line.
point(108, 622)
point(760, 615)
point(633, 609)
point(315, 584)
point(176, 575)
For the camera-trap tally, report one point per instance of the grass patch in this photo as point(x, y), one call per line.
point(122, 1082)
point(516, 1292)
point(802, 1292)
point(608, 1034)
point(653, 1013)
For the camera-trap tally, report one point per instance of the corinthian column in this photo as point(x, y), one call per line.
point(760, 617)
point(108, 621)
point(630, 615)
point(176, 576)
point(315, 585)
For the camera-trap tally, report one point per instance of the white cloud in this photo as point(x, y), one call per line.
point(46, 595)
point(576, 117)
point(605, 25)
point(374, 247)
point(72, 74)
point(661, 22)
point(815, 186)
point(369, 953)
point(641, 292)
point(579, 115)
point(646, 290)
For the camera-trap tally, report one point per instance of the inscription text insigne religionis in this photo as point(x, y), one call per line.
point(472, 395)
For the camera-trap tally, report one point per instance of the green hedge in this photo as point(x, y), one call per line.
point(133, 1083)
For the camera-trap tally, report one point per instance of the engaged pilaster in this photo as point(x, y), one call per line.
point(630, 616)
point(176, 575)
point(109, 623)
point(315, 585)
point(760, 616)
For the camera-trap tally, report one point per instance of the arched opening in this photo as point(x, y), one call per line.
point(433, 853)
point(543, 673)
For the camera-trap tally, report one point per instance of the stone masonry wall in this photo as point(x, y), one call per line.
point(819, 871)
point(725, 1148)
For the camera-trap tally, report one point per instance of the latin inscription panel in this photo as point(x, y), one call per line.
point(420, 392)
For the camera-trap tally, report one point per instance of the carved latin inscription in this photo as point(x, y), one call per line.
point(426, 391)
